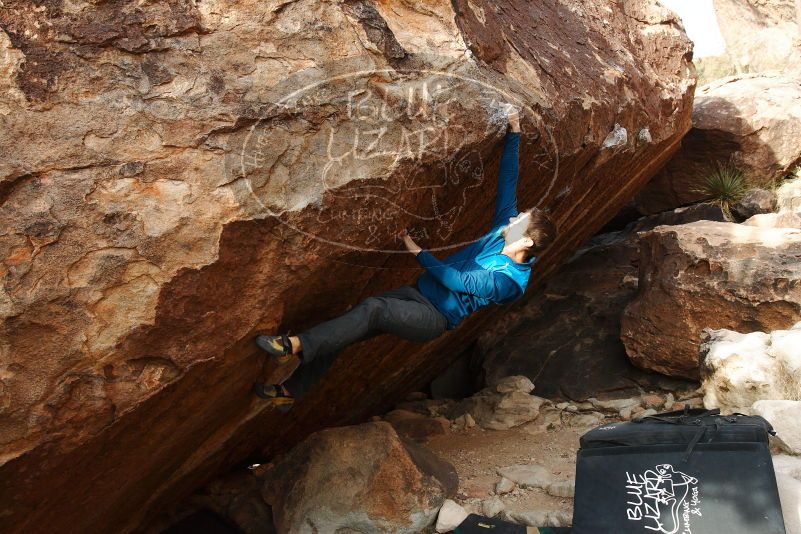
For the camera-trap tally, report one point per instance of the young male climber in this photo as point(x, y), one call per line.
point(494, 269)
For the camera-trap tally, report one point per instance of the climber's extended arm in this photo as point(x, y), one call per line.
point(495, 286)
point(506, 197)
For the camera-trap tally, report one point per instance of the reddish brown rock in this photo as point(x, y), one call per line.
point(415, 426)
point(360, 477)
point(751, 123)
point(653, 401)
point(164, 197)
point(709, 274)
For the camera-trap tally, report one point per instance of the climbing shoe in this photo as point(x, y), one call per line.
point(275, 394)
point(278, 347)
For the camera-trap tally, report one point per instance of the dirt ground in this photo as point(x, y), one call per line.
point(477, 454)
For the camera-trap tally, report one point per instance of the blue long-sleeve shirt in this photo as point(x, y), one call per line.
point(479, 274)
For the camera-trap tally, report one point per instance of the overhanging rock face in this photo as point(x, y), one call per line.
point(178, 176)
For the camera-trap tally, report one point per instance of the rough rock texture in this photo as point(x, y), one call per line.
point(751, 122)
point(740, 369)
point(539, 518)
point(417, 427)
point(788, 200)
point(537, 476)
point(788, 195)
point(528, 475)
point(450, 516)
point(164, 195)
point(566, 335)
point(775, 220)
point(492, 506)
point(754, 202)
point(760, 36)
point(709, 274)
point(784, 415)
point(510, 384)
point(360, 477)
point(504, 406)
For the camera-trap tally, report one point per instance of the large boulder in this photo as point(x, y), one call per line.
point(740, 369)
point(750, 123)
point(760, 36)
point(179, 176)
point(565, 337)
point(784, 415)
point(709, 274)
point(363, 478)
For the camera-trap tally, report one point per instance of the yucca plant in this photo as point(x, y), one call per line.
point(724, 186)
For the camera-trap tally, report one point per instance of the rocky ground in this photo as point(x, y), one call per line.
point(504, 452)
point(479, 454)
point(520, 462)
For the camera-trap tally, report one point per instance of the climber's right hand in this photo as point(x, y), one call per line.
point(513, 117)
point(409, 243)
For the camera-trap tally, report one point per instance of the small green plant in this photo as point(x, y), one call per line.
point(724, 186)
point(774, 184)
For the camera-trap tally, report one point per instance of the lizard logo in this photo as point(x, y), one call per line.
point(663, 499)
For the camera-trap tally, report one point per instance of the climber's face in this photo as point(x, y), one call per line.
point(515, 232)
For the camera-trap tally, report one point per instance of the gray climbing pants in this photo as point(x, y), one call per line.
point(403, 312)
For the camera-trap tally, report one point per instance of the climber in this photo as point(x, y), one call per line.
point(493, 269)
